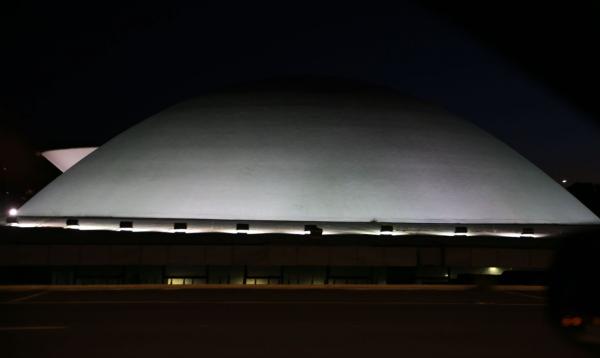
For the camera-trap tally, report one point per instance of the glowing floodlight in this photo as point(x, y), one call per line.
point(13, 212)
point(494, 271)
point(564, 181)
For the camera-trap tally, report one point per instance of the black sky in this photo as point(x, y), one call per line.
point(77, 74)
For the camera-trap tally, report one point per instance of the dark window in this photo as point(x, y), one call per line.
point(460, 230)
point(126, 225)
point(180, 226)
point(242, 227)
point(386, 229)
point(72, 222)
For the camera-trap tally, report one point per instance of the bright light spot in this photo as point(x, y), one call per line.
point(571, 321)
point(564, 181)
point(13, 212)
point(176, 281)
point(256, 281)
point(25, 225)
point(494, 271)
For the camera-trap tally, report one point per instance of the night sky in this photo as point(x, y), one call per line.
point(76, 75)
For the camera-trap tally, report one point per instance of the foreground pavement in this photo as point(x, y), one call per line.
point(277, 321)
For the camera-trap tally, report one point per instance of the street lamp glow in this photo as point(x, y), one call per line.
point(13, 212)
point(564, 181)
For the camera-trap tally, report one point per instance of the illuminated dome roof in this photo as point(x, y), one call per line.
point(344, 154)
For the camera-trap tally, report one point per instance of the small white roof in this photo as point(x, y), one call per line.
point(64, 159)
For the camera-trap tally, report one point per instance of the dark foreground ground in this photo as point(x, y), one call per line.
point(401, 321)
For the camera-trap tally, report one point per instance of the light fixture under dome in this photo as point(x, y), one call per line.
point(242, 228)
point(180, 227)
point(126, 225)
point(72, 223)
point(313, 230)
point(460, 231)
point(386, 230)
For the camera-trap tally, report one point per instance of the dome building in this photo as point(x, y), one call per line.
point(296, 182)
point(280, 158)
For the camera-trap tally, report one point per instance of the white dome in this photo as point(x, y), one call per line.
point(346, 156)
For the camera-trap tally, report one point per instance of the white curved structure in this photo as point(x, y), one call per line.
point(305, 156)
point(64, 159)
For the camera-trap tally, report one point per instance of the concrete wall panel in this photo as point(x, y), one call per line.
point(9, 255)
point(219, 255)
point(400, 256)
point(33, 255)
point(343, 256)
point(154, 255)
point(484, 257)
point(95, 255)
point(514, 258)
point(541, 259)
point(283, 255)
point(369, 256)
point(458, 256)
point(125, 254)
point(64, 255)
point(313, 255)
point(430, 256)
point(251, 255)
point(187, 255)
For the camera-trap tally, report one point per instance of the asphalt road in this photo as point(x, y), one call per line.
point(277, 322)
